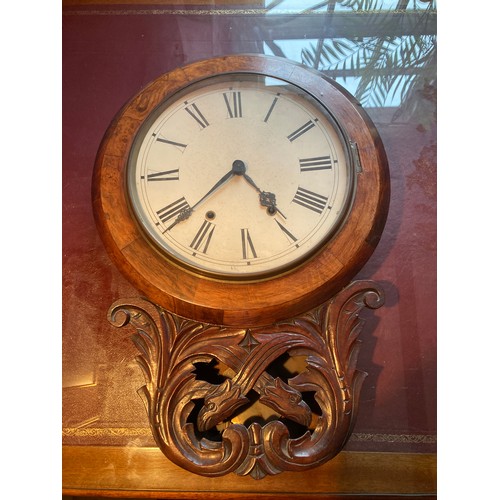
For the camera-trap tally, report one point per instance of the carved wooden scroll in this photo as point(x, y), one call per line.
point(254, 401)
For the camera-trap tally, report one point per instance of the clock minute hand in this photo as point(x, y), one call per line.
point(216, 186)
point(186, 213)
point(237, 168)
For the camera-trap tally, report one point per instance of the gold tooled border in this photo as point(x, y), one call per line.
point(99, 11)
point(394, 438)
point(145, 431)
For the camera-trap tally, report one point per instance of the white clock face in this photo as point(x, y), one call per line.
point(240, 176)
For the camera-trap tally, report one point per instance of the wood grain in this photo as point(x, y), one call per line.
point(145, 473)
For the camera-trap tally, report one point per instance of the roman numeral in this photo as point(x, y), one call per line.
point(195, 113)
point(203, 237)
point(313, 201)
point(247, 245)
point(271, 109)
point(173, 210)
point(301, 130)
point(233, 104)
point(167, 175)
point(289, 236)
point(317, 163)
point(173, 143)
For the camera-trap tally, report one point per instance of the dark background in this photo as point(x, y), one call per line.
point(109, 54)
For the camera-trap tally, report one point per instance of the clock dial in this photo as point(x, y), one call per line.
point(241, 190)
point(240, 175)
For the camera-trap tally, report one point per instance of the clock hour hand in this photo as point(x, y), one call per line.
point(266, 198)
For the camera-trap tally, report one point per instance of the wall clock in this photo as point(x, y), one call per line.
point(241, 195)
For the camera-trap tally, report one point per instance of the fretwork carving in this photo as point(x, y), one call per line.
point(255, 401)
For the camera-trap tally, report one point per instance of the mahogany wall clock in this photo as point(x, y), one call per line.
point(240, 195)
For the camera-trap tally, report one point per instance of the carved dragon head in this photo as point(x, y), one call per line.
point(220, 404)
point(287, 401)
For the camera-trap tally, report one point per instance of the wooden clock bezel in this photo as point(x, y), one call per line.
point(241, 303)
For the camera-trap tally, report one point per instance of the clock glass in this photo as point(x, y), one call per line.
point(240, 176)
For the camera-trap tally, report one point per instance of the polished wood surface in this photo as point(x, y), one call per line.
point(241, 303)
point(144, 473)
point(267, 400)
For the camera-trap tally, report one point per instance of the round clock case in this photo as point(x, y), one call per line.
point(241, 190)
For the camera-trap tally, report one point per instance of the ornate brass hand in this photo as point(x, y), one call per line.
point(266, 198)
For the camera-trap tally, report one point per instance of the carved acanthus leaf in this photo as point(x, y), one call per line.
point(187, 412)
